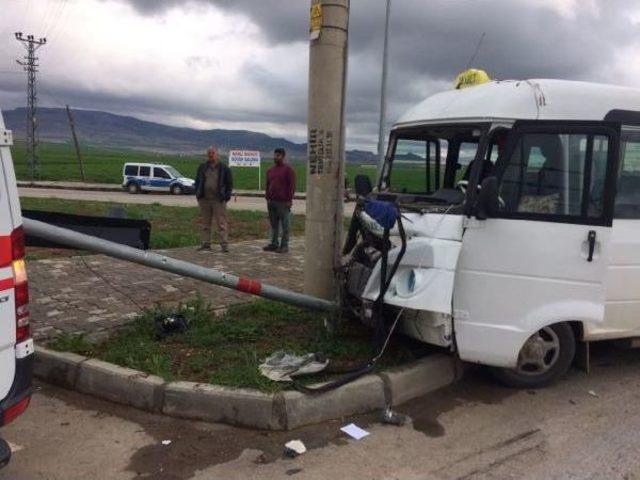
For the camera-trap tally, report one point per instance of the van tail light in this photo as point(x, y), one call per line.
point(21, 285)
point(18, 251)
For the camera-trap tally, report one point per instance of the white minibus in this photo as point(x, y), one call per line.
point(521, 206)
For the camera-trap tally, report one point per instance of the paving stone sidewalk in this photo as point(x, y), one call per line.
point(66, 296)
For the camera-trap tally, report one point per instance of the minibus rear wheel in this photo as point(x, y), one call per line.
point(545, 357)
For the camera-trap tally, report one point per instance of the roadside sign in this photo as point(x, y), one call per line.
point(246, 158)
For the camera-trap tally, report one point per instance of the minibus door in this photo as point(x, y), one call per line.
point(543, 258)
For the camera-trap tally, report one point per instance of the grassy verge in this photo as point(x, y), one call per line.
point(104, 165)
point(171, 227)
point(227, 350)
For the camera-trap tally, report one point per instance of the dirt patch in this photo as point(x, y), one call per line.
point(198, 445)
point(478, 388)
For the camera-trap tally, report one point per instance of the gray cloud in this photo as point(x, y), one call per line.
point(431, 41)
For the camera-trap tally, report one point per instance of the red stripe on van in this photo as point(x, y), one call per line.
point(6, 284)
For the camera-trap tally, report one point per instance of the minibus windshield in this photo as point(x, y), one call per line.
point(431, 163)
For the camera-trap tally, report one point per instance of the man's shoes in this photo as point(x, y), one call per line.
point(224, 248)
point(270, 248)
point(205, 247)
point(282, 249)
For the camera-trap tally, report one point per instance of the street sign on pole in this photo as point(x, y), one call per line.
point(246, 158)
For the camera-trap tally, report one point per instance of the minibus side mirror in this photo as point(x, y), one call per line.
point(488, 204)
point(362, 184)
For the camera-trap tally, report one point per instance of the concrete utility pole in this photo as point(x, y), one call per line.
point(31, 67)
point(383, 91)
point(75, 142)
point(326, 162)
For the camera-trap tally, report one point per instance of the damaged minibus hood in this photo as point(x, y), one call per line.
point(425, 277)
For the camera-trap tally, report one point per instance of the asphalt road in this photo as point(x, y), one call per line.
point(586, 427)
point(236, 203)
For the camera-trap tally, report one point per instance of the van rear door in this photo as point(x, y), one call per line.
point(10, 219)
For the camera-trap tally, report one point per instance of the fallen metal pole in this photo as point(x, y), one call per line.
point(168, 264)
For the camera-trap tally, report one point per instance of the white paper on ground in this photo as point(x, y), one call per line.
point(354, 431)
point(297, 446)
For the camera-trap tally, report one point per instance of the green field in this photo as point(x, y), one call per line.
point(102, 165)
point(171, 227)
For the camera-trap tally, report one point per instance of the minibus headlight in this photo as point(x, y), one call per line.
point(407, 283)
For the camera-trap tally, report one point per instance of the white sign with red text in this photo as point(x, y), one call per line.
point(244, 158)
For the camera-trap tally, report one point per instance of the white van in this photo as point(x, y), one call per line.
point(16, 344)
point(152, 177)
point(521, 205)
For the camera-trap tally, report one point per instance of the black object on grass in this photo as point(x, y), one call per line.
point(167, 325)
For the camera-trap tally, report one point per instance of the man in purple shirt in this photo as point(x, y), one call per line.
point(281, 185)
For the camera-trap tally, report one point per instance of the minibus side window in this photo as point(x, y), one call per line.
point(627, 204)
point(556, 174)
point(145, 171)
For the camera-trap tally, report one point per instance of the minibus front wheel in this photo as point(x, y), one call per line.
point(544, 357)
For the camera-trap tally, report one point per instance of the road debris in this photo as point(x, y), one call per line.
point(294, 448)
point(166, 442)
point(354, 431)
point(393, 418)
point(281, 366)
point(593, 394)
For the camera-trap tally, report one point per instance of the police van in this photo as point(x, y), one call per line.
point(521, 205)
point(151, 177)
point(16, 344)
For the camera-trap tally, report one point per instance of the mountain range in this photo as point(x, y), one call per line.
point(124, 132)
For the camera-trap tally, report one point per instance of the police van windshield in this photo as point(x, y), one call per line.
point(173, 172)
point(429, 161)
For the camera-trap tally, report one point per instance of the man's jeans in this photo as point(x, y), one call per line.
point(279, 214)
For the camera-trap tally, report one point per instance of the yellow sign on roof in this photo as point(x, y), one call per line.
point(470, 78)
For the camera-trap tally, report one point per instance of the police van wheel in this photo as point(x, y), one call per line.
point(133, 188)
point(545, 357)
point(176, 190)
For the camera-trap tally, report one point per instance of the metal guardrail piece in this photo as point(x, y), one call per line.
point(180, 267)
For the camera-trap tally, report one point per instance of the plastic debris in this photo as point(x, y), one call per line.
point(393, 418)
point(354, 431)
point(281, 366)
point(15, 447)
point(592, 393)
point(166, 442)
point(294, 448)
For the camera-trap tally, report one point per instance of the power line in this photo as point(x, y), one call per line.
point(30, 66)
point(55, 19)
point(61, 24)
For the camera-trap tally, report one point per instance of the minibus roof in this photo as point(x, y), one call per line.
point(539, 99)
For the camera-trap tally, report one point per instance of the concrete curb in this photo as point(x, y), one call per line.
point(244, 407)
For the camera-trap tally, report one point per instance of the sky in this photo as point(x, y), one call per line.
point(243, 64)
